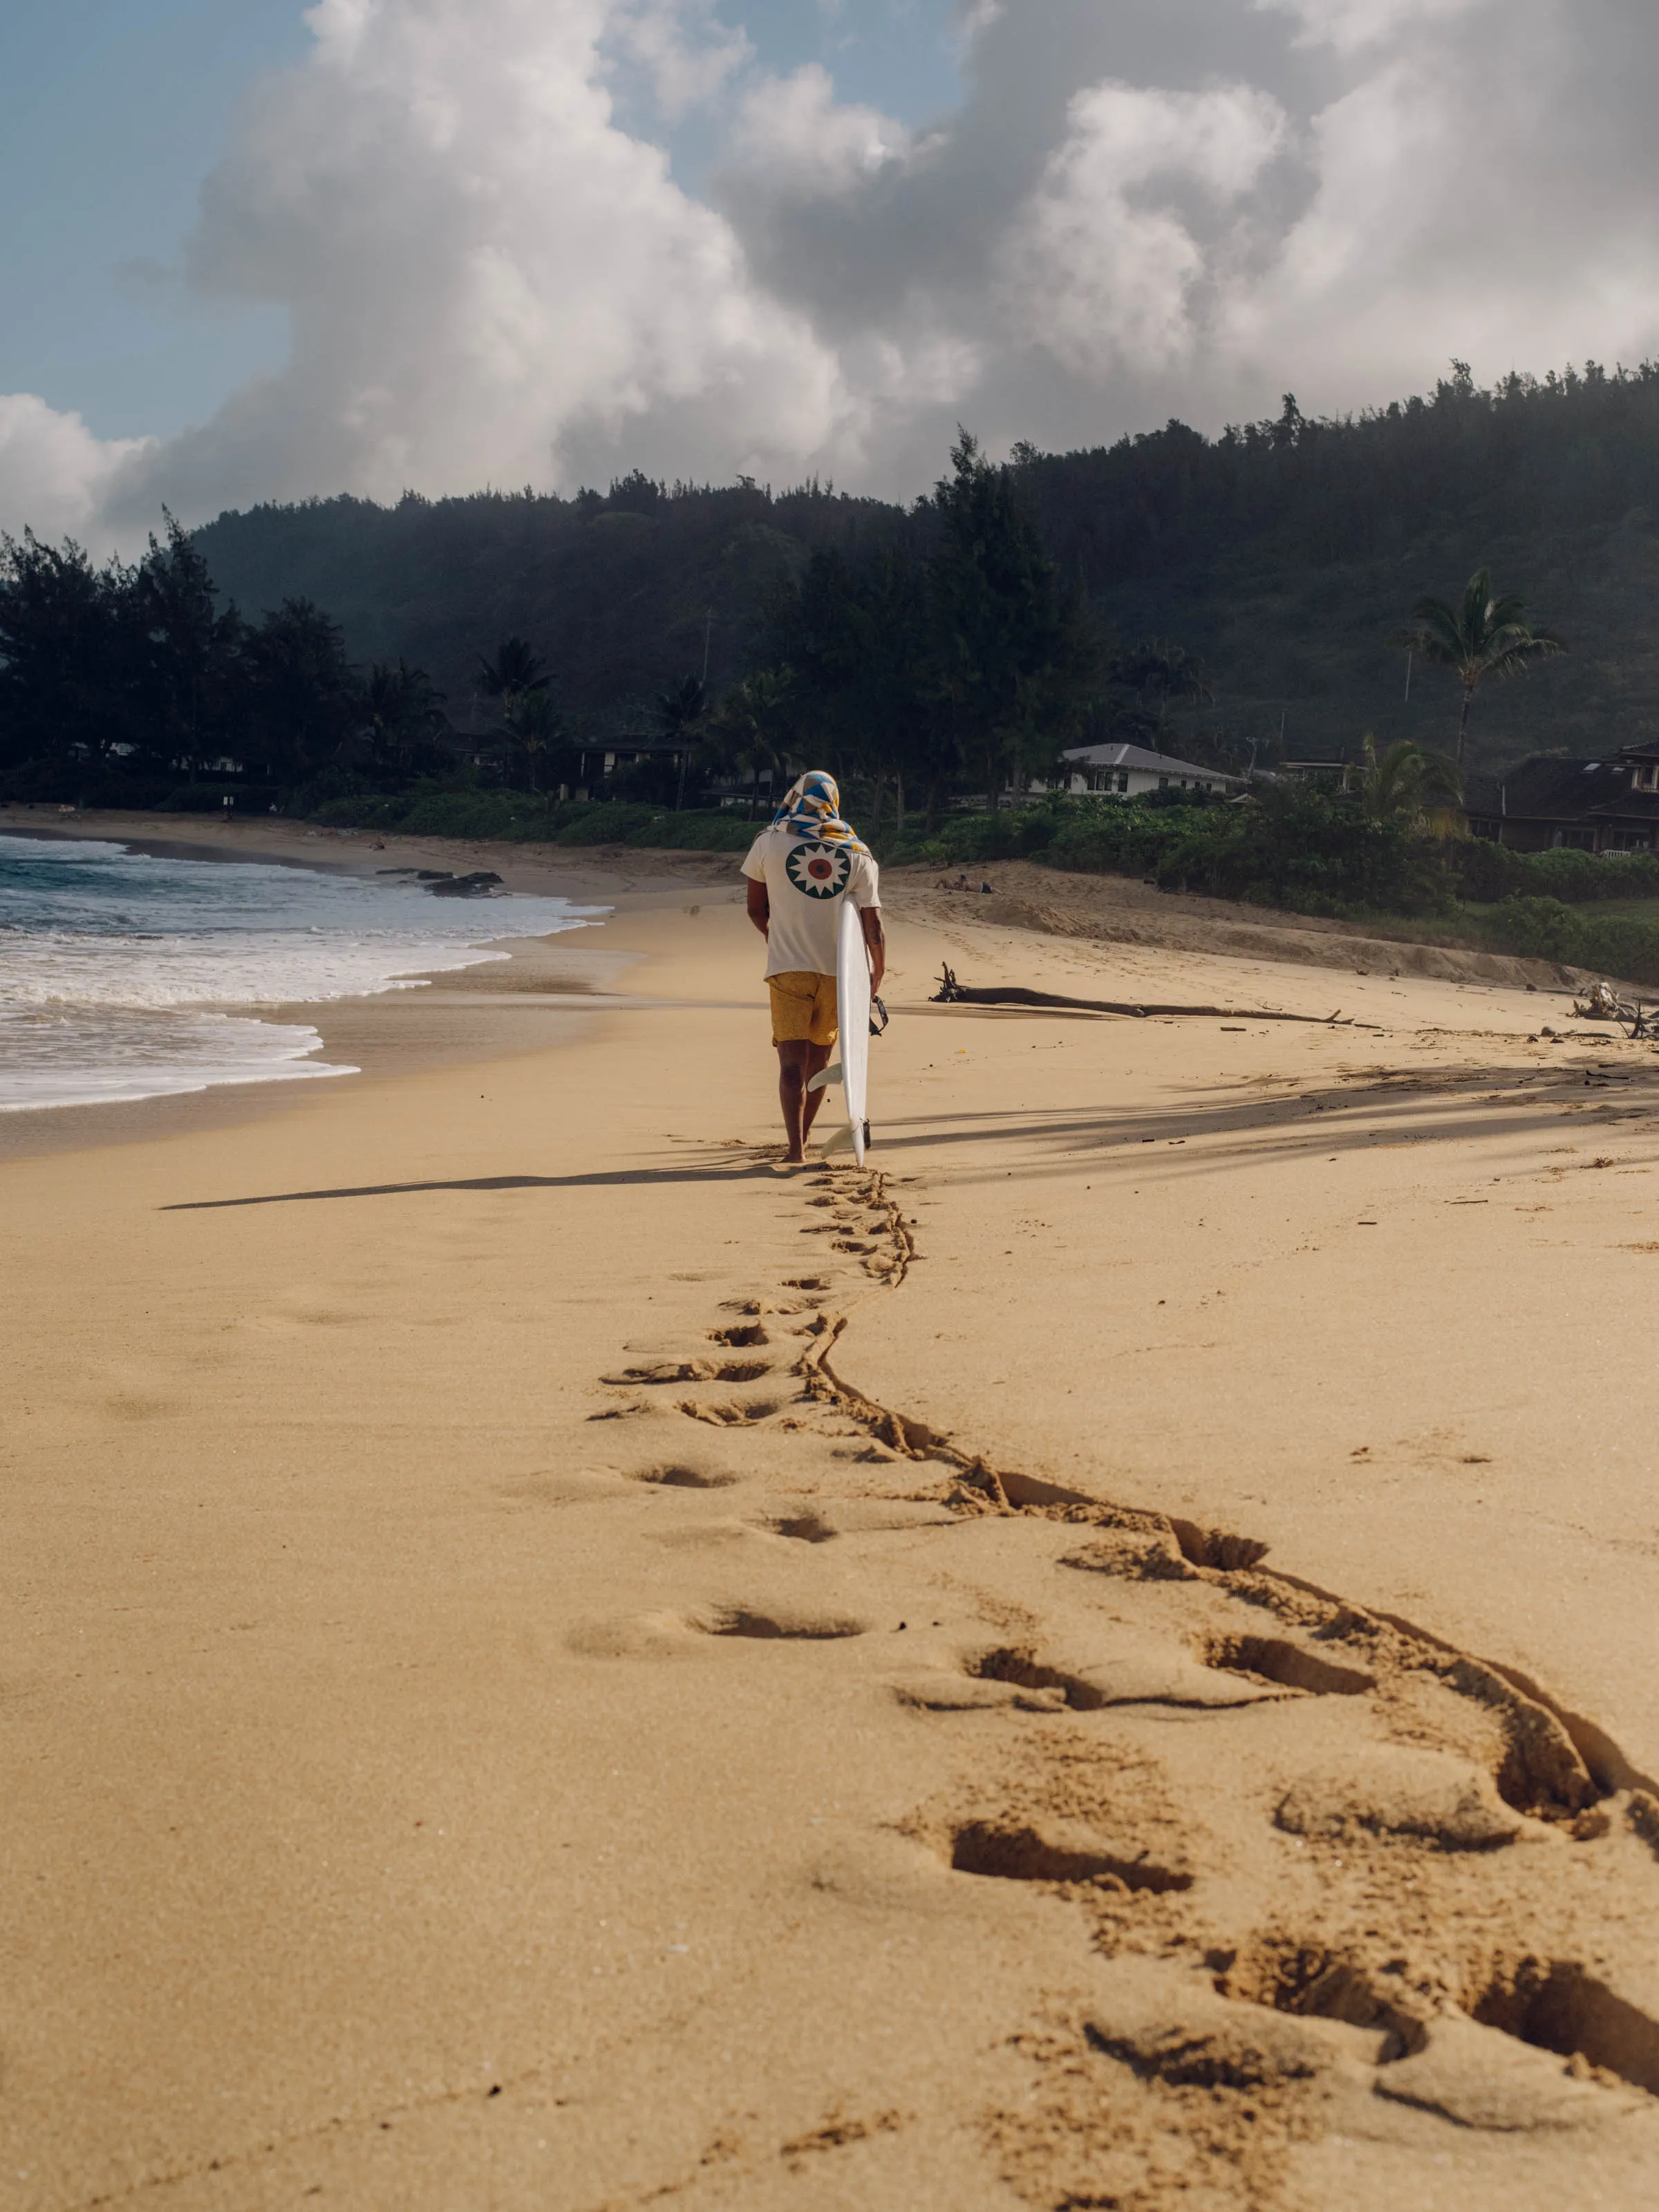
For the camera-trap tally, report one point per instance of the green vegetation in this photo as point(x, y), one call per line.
point(1312, 855)
point(133, 679)
point(972, 662)
point(1407, 784)
point(1488, 871)
point(1546, 929)
point(1291, 849)
point(524, 818)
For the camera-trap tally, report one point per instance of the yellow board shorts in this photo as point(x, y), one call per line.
point(803, 1007)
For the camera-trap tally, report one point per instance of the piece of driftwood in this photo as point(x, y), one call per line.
point(952, 993)
point(1639, 1019)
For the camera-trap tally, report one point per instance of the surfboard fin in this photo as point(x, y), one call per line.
point(824, 1077)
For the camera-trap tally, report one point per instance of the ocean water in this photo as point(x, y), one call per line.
point(125, 976)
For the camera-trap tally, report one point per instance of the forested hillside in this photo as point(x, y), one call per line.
point(618, 592)
point(1281, 556)
point(1284, 554)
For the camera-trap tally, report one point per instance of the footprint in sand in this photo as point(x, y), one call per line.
point(670, 1635)
point(685, 1473)
point(1056, 1851)
point(729, 1414)
point(776, 1623)
point(1295, 1919)
point(692, 1368)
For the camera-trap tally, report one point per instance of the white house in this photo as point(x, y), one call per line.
point(1125, 771)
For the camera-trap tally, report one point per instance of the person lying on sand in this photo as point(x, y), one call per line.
point(800, 872)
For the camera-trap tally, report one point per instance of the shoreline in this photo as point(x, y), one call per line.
point(1103, 910)
point(649, 875)
point(537, 996)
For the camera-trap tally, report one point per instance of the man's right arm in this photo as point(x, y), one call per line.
point(875, 939)
point(760, 907)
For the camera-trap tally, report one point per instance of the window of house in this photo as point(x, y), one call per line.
point(1645, 776)
point(1123, 779)
point(1627, 841)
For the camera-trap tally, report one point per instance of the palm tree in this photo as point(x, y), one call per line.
point(682, 707)
point(680, 710)
point(403, 716)
point(749, 730)
point(531, 723)
point(1407, 783)
point(514, 670)
point(519, 681)
point(1484, 635)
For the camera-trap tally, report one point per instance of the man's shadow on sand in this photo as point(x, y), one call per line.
point(746, 1170)
point(1433, 1107)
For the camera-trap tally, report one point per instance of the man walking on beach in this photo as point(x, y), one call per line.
point(800, 872)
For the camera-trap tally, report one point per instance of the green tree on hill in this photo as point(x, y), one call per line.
point(184, 665)
point(64, 657)
point(299, 694)
point(859, 636)
point(1486, 634)
point(1011, 649)
point(405, 719)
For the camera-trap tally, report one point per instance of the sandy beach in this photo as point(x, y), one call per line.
point(1102, 1661)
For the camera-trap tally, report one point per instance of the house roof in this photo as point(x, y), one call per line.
point(1150, 763)
point(1548, 788)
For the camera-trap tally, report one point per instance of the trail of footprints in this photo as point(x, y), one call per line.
point(1435, 1920)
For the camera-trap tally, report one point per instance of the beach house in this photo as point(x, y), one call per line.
point(1126, 771)
point(1544, 803)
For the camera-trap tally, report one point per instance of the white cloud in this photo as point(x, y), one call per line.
point(55, 476)
point(1350, 24)
point(1102, 265)
point(687, 52)
point(488, 279)
point(800, 139)
point(467, 211)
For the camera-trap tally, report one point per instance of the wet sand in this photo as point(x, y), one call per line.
point(1102, 1660)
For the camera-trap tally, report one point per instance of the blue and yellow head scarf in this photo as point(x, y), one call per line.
point(812, 808)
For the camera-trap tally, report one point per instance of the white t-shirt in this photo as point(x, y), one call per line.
point(806, 884)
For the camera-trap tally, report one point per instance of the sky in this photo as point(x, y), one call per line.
point(257, 250)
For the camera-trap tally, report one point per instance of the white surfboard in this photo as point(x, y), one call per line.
point(852, 1070)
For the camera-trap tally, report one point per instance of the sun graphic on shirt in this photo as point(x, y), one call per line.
point(820, 871)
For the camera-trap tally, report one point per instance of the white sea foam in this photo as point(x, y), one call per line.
point(119, 971)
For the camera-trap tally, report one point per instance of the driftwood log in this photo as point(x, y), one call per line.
point(1638, 1020)
point(952, 993)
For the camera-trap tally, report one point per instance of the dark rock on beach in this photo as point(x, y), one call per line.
point(478, 884)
